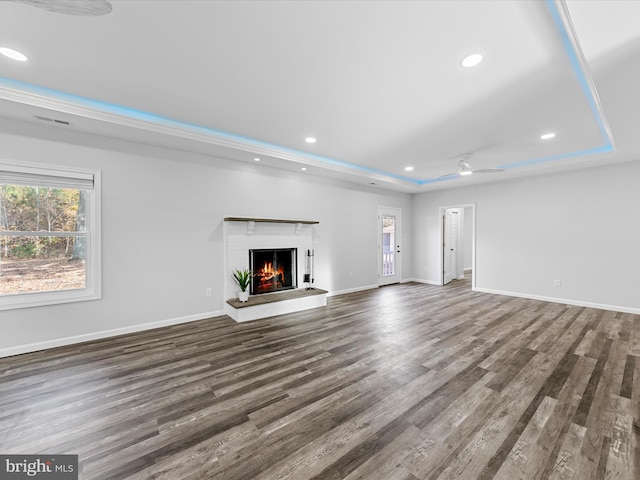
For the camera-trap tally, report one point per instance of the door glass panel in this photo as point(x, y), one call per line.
point(388, 244)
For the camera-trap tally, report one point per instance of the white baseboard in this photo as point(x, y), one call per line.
point(564, 301)
point(351, 290)
point(422, 280)
point(370, 287)
point(61, 342)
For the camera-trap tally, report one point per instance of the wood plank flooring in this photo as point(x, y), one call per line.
point(404, 382)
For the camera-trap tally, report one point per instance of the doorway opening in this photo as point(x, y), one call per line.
point(458, 245)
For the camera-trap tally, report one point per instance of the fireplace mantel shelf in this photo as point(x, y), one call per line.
point(269, 220)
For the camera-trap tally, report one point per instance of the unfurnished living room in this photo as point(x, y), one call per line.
point(319, 240)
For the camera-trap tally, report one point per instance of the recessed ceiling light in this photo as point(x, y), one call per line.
point(547, 136)
point(310, 140)
point(471, 60)
point(408, 169)
point(256, 159)
point(304, 169)
point(13, 54)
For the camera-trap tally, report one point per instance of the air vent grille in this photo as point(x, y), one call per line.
point(52, 120)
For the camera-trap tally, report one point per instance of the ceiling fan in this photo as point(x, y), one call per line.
point(464, 168)
point(72, 7)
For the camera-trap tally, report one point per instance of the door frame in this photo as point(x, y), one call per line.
point(441, 211)
point(455, 269)
point(397, 212)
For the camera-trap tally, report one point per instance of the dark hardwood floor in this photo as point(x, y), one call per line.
point(403, 382)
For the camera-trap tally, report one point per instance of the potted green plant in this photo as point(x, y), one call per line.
point(242, 278)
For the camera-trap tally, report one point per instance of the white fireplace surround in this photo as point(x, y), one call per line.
point(242, 235)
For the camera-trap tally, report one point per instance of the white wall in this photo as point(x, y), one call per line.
point(578, 227)
point(162, 242)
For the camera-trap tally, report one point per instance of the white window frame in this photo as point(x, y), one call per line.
point(93, 275)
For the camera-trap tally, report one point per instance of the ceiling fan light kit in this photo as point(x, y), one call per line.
point(464, 168)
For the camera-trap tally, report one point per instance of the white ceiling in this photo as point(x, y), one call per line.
point(378, 83)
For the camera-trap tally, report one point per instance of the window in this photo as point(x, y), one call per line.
point(49, 236)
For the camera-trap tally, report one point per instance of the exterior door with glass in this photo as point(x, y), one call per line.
point(389, 245)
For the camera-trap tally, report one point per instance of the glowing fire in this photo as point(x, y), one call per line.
point(269, 277)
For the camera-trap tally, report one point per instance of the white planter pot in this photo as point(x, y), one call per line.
point(243, 296)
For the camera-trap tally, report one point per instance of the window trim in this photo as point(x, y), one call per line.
point(93, 275)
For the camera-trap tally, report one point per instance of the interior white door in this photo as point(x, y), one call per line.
point(389, 245)
point(450, 241)
point(465, 237)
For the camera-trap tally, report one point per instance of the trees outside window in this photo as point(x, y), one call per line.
point(48, 237)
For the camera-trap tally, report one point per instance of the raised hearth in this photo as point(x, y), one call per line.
point(269, 305)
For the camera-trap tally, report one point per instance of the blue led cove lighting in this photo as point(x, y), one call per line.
point(576, 66)
point(135, 114)
point(153, 119)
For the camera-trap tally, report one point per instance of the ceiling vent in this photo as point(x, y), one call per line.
point(52, 120)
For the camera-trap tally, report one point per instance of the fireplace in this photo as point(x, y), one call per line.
point(273, 269)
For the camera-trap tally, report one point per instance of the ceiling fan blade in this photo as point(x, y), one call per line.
point(72, 7)
point(489, 170)
point(446, 175)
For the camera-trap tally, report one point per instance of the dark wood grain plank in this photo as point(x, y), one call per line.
point(627, 379)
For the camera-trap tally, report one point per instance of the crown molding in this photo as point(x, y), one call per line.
point(31, 95)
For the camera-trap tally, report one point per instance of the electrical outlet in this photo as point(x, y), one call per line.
point(557, 283)
point(208, 292)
